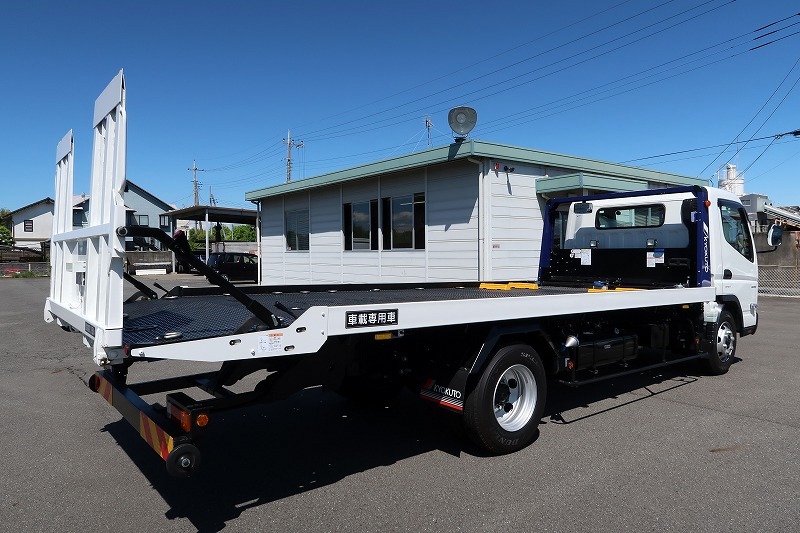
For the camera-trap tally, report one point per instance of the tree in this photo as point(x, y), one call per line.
point(197, 239)
point(244, 233)
point(5, 236)
point(5, 222)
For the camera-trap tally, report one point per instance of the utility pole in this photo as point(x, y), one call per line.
point(211, 200)
point(289, 144)
point(195, 170)
point(428, 125)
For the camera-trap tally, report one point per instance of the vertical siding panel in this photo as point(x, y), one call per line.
point(273, 244)
point(326, 236)
point(516, 225)
point(452, 233)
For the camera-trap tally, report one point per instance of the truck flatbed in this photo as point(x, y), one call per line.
point(212, 315)
point(174, 326)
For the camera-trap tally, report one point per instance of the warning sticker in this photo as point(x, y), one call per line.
point(584, 254)
point(655, 257)
point(270, 343)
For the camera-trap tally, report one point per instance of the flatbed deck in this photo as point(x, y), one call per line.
point(200, 316)
point(195, 315)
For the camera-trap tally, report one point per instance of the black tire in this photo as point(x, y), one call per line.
point(503, 411)
point(183, 460)
point(722, 349)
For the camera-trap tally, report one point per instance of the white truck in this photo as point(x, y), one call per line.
point(627, 283)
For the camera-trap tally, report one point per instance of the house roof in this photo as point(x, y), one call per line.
point(78, 199)
point(142, 192)
point(47, 200)
point(477, 149)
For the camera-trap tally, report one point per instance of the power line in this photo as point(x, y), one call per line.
point(750, 180)
point(263, 155)
point(464, 97)
point(472, 65)
point(678, 152)
point(754, 117)
point(259, 156)
point(663, 162)
point(252, 159)
point(361, 128)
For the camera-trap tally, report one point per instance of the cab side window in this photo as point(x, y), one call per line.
point(736, 229)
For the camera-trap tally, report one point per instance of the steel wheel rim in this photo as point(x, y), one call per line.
point(726, 342)
point(515, 398)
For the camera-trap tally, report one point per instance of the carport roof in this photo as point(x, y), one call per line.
point(213, 213)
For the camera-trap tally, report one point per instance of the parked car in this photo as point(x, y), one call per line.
point(234, 265)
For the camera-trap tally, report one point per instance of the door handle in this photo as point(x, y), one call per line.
point(727, 274)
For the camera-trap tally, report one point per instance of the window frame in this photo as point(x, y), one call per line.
point(417, 224)
point(295, 215)
point(382, 224)
point(348, 226)
point(743, 222)
point(27, 223)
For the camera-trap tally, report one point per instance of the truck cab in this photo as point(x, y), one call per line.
point(681, 237)
point(733, 261)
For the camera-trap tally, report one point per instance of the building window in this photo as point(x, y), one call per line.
point(163, 221)
point(403, 222)
point(360, 225)
point(28, 226)
point(297, 230)
point(141, 220)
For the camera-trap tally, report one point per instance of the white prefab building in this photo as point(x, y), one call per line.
point(469, 211)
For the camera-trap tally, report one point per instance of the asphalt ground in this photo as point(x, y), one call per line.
point(673, 450)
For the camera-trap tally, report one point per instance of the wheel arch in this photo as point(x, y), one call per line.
point(529, 333)
point(731, 303)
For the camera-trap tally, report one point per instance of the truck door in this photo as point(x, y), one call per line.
point(739, 267)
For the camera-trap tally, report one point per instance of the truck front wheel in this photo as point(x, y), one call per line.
point(723, 347)
point(503, 411)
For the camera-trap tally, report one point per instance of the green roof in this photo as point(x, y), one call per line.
point(478, 149)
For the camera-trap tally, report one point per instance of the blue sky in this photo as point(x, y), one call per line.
point(222, 82)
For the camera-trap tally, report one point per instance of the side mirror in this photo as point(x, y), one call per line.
point(774, 235)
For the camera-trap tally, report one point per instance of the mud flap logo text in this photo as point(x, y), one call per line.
point(447, 391)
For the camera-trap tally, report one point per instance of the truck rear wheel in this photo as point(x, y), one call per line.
point(723, 347)
point(503, 411)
